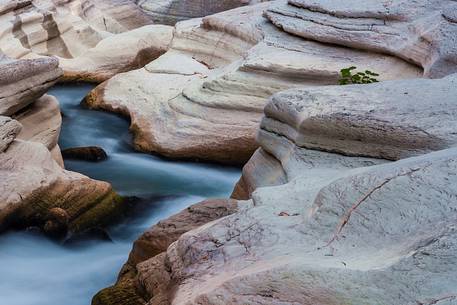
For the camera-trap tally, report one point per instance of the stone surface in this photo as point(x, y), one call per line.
point(32, 184)
point(88, 153)
point(172, 11)
point(9, 129)
point(154, 242)
point(204, 98)
point(379, 235)
point(23, 81)
point(423, 32)
point(329, 220)
point(389, 120)
point(93, 39)
point(41, 122)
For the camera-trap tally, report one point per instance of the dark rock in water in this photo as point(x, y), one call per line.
point(88, 153)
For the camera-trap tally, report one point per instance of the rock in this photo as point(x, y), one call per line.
point(422, 32)
point(33, 186)
point(329, 220)
point(94, 40)
point(23, 81)
point(154, 242)
point(389, 120)
point(89, 153)
point(41, 122)
point(172, 11)
point(9, 129)
point(204, 98)
point(381, 235)
point(118, 53)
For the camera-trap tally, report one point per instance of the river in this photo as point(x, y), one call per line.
point(37, 271)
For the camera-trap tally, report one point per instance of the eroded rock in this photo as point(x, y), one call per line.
point(422, 32)
point(204, 98)
point(33, 185)
point(172, 11)
point(89, 37)
point(23, 81)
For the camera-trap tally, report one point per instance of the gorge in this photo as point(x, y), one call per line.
point(161, 152)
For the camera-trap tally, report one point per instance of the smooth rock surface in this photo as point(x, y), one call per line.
point(41, 122)
point(204, 98)
point(89, 37)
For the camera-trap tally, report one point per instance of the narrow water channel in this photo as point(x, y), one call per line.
point(37, 271)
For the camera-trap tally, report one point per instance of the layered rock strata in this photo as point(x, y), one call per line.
point(204, 98)
point(172, 11)
point(94, 40)
point(355, 204)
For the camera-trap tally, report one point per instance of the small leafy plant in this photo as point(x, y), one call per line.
point(349, 77)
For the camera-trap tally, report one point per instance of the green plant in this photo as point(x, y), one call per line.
point(349, 77)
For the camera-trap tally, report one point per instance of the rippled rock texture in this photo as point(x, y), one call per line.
point(204, 98)
point(35, 190)
point(172, 11)
point(355, 203)
point(94, 40)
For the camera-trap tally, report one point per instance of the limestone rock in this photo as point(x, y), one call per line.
point(23, 81)
point(389, 120)
point(9, 129)
point(383, 234)
point(172, 11)
point(204, 98)
point(93, 39)
point(329, 220)
point(41, 122)
point(32, 184)
point(152, 245)
point(423, 32)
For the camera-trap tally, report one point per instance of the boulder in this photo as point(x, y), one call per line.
point(23, 81)
point(89, 37)
point(422, 32)
point(88, 153)
point(33, 185)
point(204, 98)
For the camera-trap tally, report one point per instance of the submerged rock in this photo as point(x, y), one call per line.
point(204, 98)
point(89, 153)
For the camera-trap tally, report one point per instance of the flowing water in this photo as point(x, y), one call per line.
point(37, 271)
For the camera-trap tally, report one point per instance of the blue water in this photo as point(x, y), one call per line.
point(37, 271)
